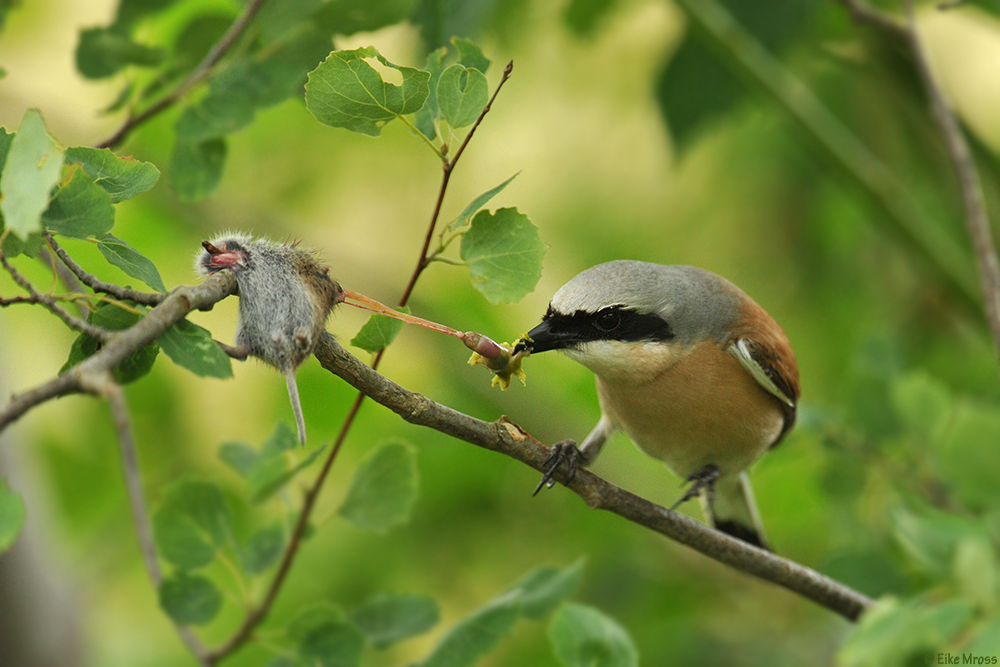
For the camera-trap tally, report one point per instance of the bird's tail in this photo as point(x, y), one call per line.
point(734, 510)
point(293, 395)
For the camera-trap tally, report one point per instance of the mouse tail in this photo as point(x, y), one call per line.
point(293, 395)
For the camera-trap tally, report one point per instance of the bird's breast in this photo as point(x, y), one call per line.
point(702, 408)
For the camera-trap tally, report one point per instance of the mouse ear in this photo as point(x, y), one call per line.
point(215, 259)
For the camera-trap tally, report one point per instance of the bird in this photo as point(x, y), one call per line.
point(697, 374)
point(286, 296)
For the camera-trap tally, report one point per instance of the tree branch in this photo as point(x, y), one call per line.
point(203, 69)
point(49, 302)
point(104, 385)
point(507, 438)
point(957, 147)
point(91, 281)
point(173, 309)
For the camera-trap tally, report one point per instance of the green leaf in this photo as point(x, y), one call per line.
point(32, 169)
point(470, 55)
point(191, 347)
point(13, 246)
point(697, 87)
point(585, 637)
point(6, 139)
point(346, 17)
point(923, 405)
point(388, 618)
point(131, 261)
point(543, 589)
point(333, 645)
point(424, 119)
point(893, 633)
point(196, 168)
point(462, 93)
point(189, 599)
point(268, 477)
point(378, 332)
point(584, 16)
point(115, 318)
point(217, 114)
point(121, 177)
point(345, 91)
point(967, 455)
point(476, 204)
point(929, 539)
point(103, 52)
point(192, 523)
point(263, 548)
point(80, 208)
point(504, 254)
point(312, 616)
point(11, 516)
point(975, 571)
point(384, 488)
point(477, 634)
point(240, 456)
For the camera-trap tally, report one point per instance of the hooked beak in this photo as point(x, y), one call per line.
point(543, 338)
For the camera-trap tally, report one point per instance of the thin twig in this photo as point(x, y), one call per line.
point(976, 218)
point(174, 308)
point(256, 615)
point(68, 278)
point(73, 322)
point(203, 69)
point(103, 385)
point(507, 438)
point(91, 281)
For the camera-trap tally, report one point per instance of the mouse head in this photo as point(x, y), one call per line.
point(224, 252)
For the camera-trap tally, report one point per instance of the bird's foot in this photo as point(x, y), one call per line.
point(564, 452)
point(701, 479)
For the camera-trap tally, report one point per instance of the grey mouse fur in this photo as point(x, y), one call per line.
point(286, 296)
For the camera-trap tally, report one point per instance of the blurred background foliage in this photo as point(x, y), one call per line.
point(640, 134)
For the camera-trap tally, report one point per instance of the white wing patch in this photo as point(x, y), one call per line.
point(741, 351)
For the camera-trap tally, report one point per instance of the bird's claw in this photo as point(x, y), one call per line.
point(564, 452)
point(703, 478)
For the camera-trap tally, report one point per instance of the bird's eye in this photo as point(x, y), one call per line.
point(608, 320)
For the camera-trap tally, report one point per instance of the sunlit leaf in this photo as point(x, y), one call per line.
point(345, 91)
point(504, 254)
point(80, 209)
point(462, 93)
point(32, 169)
point(476, 204)
point(121, 177)
point(130, 260)
point(378, 332)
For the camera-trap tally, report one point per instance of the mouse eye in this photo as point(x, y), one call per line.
point(608, 319)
